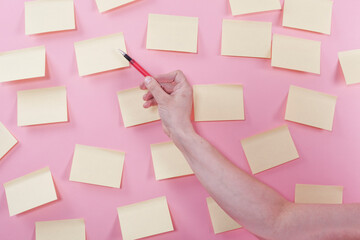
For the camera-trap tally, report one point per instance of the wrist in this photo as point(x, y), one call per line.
point(182, 132)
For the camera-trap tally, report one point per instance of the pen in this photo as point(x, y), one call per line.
point(134, 63)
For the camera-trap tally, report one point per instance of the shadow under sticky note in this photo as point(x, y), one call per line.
point(7, 141)
point(350, 64)
point(106, 5)
point(269, 149)
point(318, 194)
point(145, 219)
point(239, 7)
point(69, 229)
point(30, 191)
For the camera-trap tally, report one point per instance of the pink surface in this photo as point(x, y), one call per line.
point(325, 157)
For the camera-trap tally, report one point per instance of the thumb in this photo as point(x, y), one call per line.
point(156, 90)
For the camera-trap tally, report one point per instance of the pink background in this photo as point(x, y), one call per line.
point(325, 157)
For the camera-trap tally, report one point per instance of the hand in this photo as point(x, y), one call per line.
point(173, 95)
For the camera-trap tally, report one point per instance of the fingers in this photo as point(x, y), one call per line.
point(175, 76)
point(156, 90)
point(150, 103)
point(147, 96)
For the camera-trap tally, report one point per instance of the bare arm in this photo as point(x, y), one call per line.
point(257, 207)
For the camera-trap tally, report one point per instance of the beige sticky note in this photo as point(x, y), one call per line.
point(246, 38)
point(311, 15)
point(105, 5)
point(269, 149)
point(30, 191)
point(97, 166)
point(318, 194)
point(239, 7)
point(43, 16)
point(350, 64)
point(145, 219)
point(221, 102)
point(99, 54)
point(41, 106)
point(311, 108)
point(172, 33)
point(168, 161)
point(132, 110)
point(220, 220)
point(296, 54)
point(22, 64)
point(7, 141)
point(69, 229)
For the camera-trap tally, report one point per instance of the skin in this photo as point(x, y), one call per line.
point(256, 206)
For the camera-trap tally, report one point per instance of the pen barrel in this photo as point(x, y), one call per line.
point(139, 68)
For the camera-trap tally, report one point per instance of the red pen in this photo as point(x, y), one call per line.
point(134, 63)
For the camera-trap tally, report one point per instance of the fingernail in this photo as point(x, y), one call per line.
point(147, 80)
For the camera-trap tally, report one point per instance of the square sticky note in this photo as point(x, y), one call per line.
point(7, 141)
point(145, 219)
point(99, 54)
point(218, 102)
point(49, 16)
point(350, 64)
point(246, 38)
point(220, 220)
point(22, 64)
point(168, 161)
point(318, 194)
point(30, 191)
point(105, 5)
point(41, 106)
point(311, 108)
point(69, 229)
point(269, 149)
point(239, 7)
point(97, 166)
point(132, 110)
point(296, 54)
point(311, 15)
point(172, 33)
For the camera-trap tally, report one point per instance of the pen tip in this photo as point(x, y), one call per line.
point(121, 52)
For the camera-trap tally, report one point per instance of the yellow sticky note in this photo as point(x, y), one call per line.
point(43, 16)
point(221, 102)
point(30, 191)
point(350, 64)
point(318, 194)
point(172, 33)
point(41, 106)
point(311, 108)
point(239, 7)
point(97, 166)
point(69, 229)
point(7, 141)
point(168, 161)
point(22, 64)
point(99, 54)
point(269, 149)
point(296, 54)
point(246, 38)
point(311, 15)
point(105, 5)
point(220, 220)
point(132, 110)
point(145, 219)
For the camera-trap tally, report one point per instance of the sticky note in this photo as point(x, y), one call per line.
point(311, 15)
point(296, 54)
point(99, 54)
point(22, 64)
point(350, 64)
point(311, 108)
point(318, 194)
point(168, 161)
point(220, 220)
point(221, 102)
point(239, 7)
point(172, 33)
point(7, 141)
point(30, 191)
point(131, 106)
point(269, 149)
point(246, 38)
point(145, 219)
point(97, 166)
point(105, 5)
point(41, 106)
point(43, 16)
point(69, 229)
